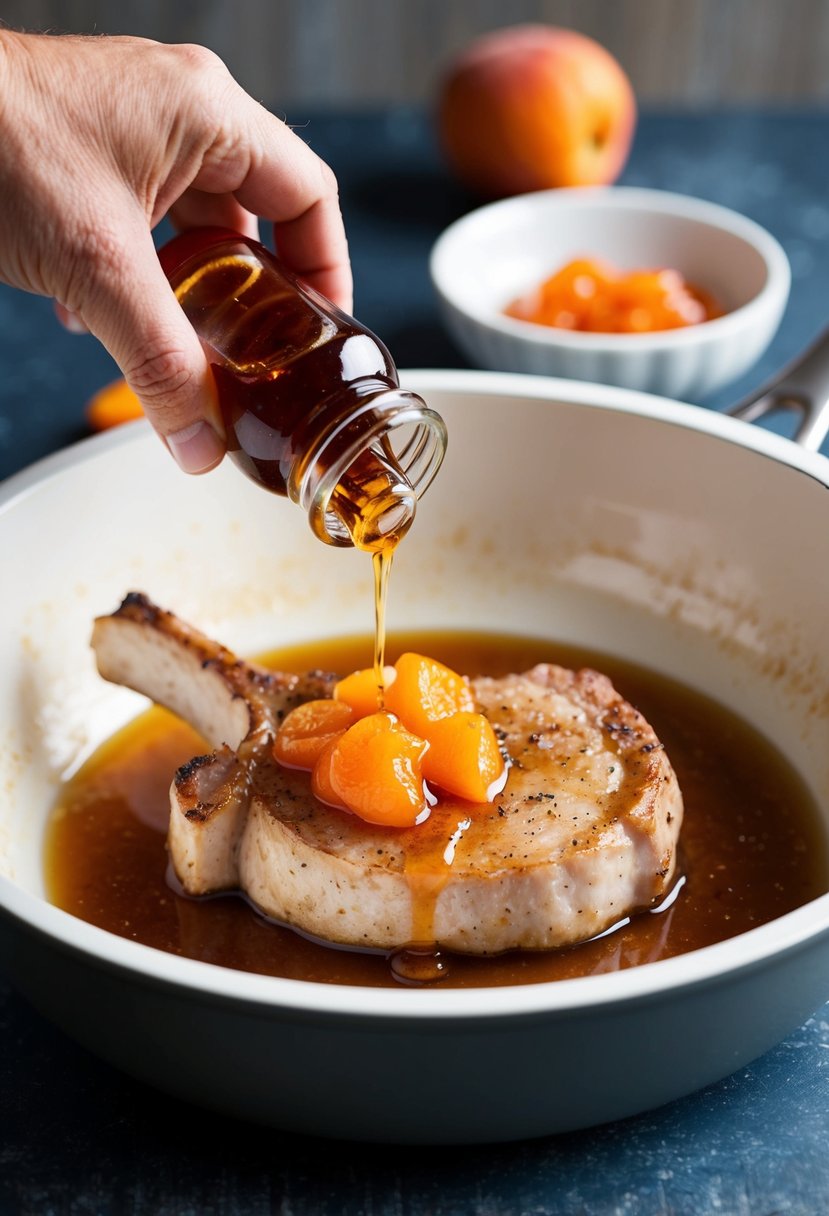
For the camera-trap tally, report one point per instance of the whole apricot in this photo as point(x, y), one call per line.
point(530, 107)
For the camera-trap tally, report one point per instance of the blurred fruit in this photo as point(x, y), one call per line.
point(531, 107)
point(112, 405)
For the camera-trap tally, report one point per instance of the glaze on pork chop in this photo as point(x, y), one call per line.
point(583, 834)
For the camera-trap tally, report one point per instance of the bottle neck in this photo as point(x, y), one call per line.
point(351, 447)
point(360, 480)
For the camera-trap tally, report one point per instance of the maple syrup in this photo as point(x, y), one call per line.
point(309, 398)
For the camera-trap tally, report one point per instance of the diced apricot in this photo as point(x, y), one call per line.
point(360, 690)
point(588, 295)
point(424, 691)
point(375, 763)
point(113, 405)
point(307, 729)
point(321, 786)
point(375, 770)
point(463, 757)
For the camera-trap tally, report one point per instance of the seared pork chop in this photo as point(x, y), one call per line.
point(583, 834)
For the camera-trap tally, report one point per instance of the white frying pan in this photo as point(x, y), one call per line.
point(685, 540)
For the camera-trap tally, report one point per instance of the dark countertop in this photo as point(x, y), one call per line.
point(78, 1137)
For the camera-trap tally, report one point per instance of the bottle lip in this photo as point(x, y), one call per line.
point(193, 241)
point(419, 457)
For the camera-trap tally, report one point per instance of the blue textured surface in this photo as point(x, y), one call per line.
point(397, 198)
point(77, 1137)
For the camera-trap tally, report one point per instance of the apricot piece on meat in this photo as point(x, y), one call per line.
point(375, 770)
point(361, 691)
point(321, 776)
point(424, 691)
point(463, 757)
point(307, 729)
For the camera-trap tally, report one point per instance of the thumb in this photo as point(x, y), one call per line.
point(131, 308)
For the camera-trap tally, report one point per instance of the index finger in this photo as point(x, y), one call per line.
point(274, 174)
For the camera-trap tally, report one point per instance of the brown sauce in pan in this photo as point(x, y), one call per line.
point(751, 847)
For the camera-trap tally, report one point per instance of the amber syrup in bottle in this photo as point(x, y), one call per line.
point(309, 398)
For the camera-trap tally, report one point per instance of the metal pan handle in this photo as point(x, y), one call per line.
point(803, 386)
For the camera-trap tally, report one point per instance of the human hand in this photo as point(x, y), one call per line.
point(100, 138)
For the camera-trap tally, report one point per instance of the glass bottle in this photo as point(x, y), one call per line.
point(310, 399)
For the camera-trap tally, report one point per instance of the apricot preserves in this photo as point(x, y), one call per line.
point(378, 761)
point(594, 297)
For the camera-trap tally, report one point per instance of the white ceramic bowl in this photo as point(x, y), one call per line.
point(622, 524)
point(495, 254)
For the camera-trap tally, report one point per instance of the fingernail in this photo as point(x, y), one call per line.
point(74, 324)
point(196, 448)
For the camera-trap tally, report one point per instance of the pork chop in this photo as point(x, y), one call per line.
point(583, 834)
